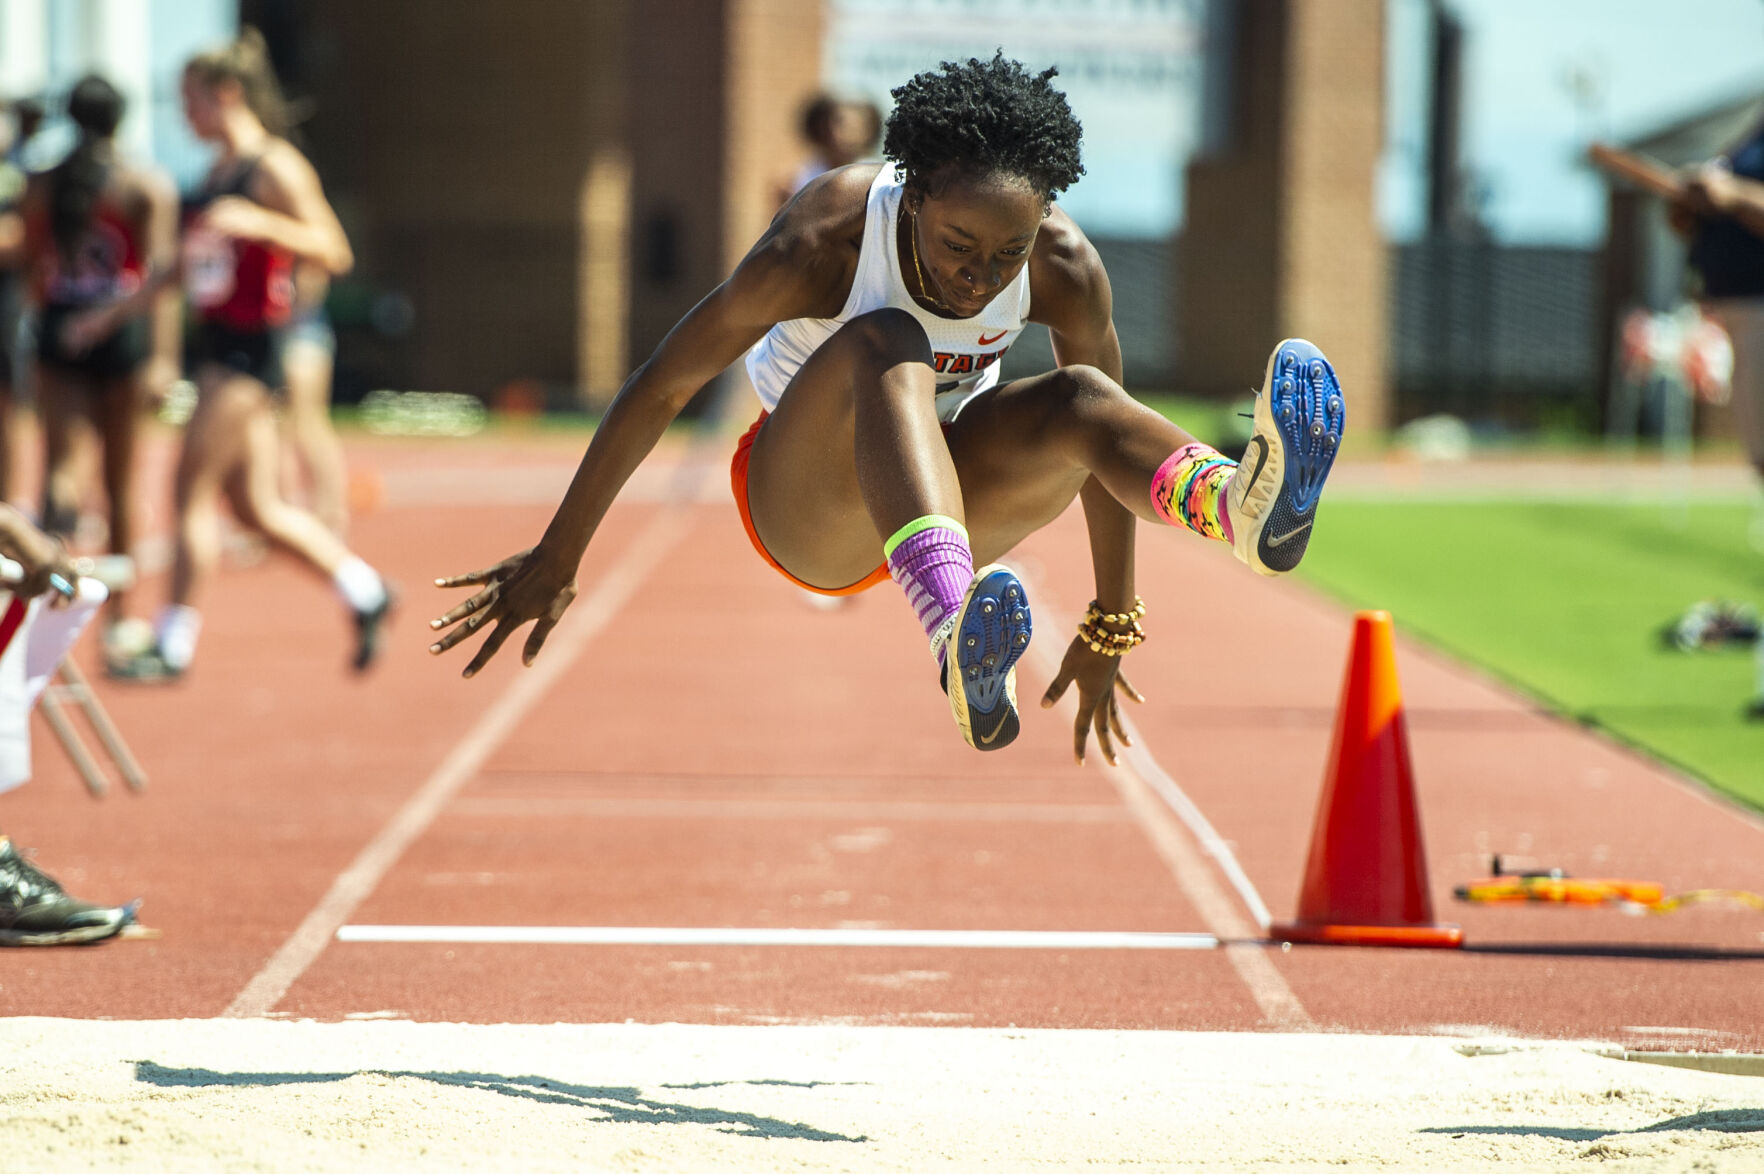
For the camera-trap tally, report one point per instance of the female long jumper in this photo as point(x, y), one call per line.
point(873, 312)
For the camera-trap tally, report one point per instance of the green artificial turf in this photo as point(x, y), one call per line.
point(1565, 601)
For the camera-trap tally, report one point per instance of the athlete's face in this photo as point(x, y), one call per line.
point(201, 107)
point(974, 236)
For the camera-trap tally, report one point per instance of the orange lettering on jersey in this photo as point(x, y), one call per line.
point(962, 365)
point(940, 361)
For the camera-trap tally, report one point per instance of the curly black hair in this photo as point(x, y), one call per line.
point(986, 117)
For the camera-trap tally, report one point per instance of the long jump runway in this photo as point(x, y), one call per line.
point(712, 802)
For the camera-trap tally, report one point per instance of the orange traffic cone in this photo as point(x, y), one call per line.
point(1366, 880)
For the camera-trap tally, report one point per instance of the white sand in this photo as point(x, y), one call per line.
point(383, 1095)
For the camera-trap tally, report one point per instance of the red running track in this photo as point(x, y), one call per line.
point(701, 749)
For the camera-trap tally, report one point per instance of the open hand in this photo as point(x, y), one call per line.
point(1099, 679)
point(523, 587)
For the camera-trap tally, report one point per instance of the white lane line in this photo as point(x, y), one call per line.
point(721, 810)
point(1163, 810)
point(586, 618)
point(621, 935)
point(1199, 826)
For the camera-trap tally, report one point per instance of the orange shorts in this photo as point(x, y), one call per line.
point(738, 482)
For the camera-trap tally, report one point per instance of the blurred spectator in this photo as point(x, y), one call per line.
point(95, 225)
point(837, 131)
point(34, 909)
point(1722, 211)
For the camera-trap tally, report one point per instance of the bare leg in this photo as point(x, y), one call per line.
point(854, 451)
point(117, 411)
point(308, 370)
point(287, 525)
point(64, 403)
point(231, 444)
point(214, 446)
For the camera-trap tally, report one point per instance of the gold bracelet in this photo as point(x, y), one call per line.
point(1110, 643)
point(1095, 612)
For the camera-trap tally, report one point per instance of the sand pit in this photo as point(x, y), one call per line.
point(391, 1095)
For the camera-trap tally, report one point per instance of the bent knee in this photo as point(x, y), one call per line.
point(887, 336)
point(1079, 389)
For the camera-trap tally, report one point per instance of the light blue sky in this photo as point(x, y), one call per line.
point(1644, 63)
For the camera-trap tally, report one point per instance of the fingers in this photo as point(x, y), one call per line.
point(536, 640)
point(1100, 720)
point(471, 606)
point(489, 648)
point(472, 623)
point(468, 580)
point(1118, 723)
point(1055, 691)
point(1123, 686)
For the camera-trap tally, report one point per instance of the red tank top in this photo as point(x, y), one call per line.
point(244, 285)
point(108, 262)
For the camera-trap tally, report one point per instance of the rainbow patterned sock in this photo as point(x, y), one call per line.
point(1188, 490)
point(930, 559)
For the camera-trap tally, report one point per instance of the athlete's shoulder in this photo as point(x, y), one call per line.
point(282, 167)
point(809, 254)
point(829, 211)
point(1065, 271)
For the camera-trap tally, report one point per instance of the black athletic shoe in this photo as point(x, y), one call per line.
point(370, 627)
point(147, 667)
point(35, 911)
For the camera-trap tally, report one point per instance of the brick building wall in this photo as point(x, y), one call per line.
point(1280, 237)
point(550, 185)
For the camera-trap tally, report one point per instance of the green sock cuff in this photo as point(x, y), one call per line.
point(919, 525)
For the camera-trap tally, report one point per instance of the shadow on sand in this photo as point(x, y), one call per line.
point(1718, 1121)
point(621, 1105)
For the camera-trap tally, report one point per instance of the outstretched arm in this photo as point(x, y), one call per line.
point(1080, 318)
point(1713, 190)
point(537, 585)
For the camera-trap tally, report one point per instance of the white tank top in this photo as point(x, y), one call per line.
point(965, 351)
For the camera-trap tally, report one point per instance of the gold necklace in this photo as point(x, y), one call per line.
point(913, 239)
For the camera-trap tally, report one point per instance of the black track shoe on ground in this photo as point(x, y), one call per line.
point(35, 911)
point(147, 667)
point(370, 631)
point(1298, 423)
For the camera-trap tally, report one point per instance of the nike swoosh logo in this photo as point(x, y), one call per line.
point(984, 341)
point(987, 739)
point(1292, 533)
point(1261, 461)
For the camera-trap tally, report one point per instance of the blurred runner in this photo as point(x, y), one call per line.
point(873, 313)
point(95, 225)
point(260, 212)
